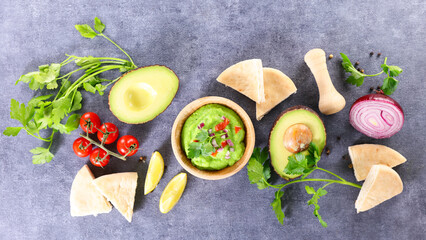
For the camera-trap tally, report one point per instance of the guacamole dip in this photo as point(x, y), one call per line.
point(213, 137)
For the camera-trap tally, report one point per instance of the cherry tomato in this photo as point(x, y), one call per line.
point(99, 158)
point(222, 125)
point(82, 147)
point(110, 131)
point(90, 122)
point(127, 145)
point(214, 153)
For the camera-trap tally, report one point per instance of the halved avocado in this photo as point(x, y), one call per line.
point(142, 94)
point(291, 116)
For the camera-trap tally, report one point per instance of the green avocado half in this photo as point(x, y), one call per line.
point(293, 115)
point(142, 94)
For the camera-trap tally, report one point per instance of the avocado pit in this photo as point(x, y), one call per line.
point(297, 138)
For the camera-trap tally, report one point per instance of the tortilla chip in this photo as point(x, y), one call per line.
point(278, 87)
point(246, 77)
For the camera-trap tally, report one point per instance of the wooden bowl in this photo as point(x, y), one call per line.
point(180, 154)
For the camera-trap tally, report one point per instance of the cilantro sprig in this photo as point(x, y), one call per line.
point(390, 83)
point(259, 173)
point(202, 147)
point(51, 112)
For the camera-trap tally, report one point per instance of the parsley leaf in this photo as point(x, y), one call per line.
point(20, 112)
point(297, 164)
point(314, 201)
point(356, 78)
point(389, 85)
point(86, 31)
point(41, 155)
point(258, 168)
point(207, 149)
point(194, 150)
point(99, 26)
point(276, 206)
point(202, 136)
point(12, 131)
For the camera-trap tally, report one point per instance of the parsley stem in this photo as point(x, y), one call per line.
point(131, 60)
point(281, 186)
point(372, 75)
point(51, 138)
point(100, 58)
point(43, 139)
point(330, 173)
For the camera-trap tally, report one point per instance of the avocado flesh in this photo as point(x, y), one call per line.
point(142, 94)
point(298, 114)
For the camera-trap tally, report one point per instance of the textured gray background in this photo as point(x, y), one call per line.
point(198, 40)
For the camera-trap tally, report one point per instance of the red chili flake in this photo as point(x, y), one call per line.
point(237, 129)
point(215, 153)
point(195, 140)
point(222, 125)
point(224, 143)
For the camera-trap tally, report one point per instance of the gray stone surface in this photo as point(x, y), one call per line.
point(198, 40)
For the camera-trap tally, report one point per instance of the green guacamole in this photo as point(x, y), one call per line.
point(208, 119)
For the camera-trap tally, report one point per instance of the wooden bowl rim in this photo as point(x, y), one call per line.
point(180, 154)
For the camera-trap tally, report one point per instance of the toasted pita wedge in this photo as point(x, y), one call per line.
point(278, 87)
point(120, 189)
point(85, 199)
point(246, 77)
point(382, 183)
point(364, 156)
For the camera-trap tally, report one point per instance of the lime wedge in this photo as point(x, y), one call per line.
point(172, 192)
point(155, 172)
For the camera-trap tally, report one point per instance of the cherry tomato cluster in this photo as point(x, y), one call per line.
point(107, 133)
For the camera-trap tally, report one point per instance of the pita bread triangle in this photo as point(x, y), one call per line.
point(85, 199)
point(120, 190)
point(364, 156)
point(277, 87)
point(382, 183)
point(246, 77)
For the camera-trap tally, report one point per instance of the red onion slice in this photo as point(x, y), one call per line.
point(377, 116)
point(214, 143)
point(230, 143)
point(200, 126)
point(220, 149)
point(227, 155)
point(232, 149)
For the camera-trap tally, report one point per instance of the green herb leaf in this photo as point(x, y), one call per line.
point(86, 61)
point(202, 136)
point(314, 201)
point(356, 78)
point(297, 164)
point(276, 206)
point(12, 131)
point(254, 171)
point(76, 103)
point(86, 31)
point(392, 71)
point(99, 26)
point(60, 109)
point(73, 122)
point(35, 101)
point(20, 112)
point(194, 150)
point(41, 155)
point(389, 85)
point(258, 168)
point(207, 149)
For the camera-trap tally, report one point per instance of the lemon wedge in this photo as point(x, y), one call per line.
point(172, 192)
point(155, 172)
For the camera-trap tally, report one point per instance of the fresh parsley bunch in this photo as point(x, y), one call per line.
point(48, 112)
point(357, 78)
point(259, 172)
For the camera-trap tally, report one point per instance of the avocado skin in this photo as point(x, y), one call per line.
point(155, 65)
point(297, 107)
